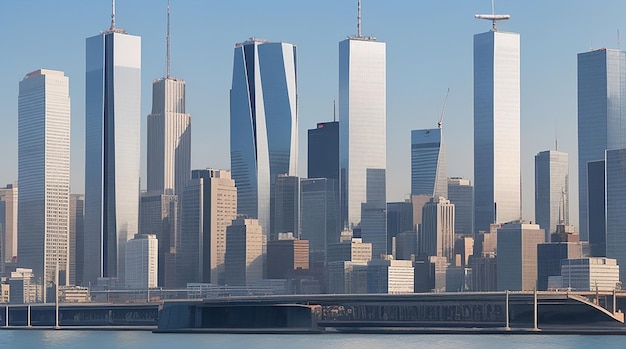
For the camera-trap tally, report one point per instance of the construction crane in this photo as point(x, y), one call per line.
point(443, 111)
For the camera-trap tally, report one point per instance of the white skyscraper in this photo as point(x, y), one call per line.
point(362, 120)
point(44, 174)
point(497, 180)
point(112, 152)
point(169, 134)
point(142, 268)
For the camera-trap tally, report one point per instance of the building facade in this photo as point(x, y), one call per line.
point(615, 207)
point(77, 238)
point(286, 208)
point(428, 163)
point(461, 194)
point(8, 220)
point(497, 179)
point(517, 256)
point(159, 215)
point(112, 151)
point(590, 274)
point(142, 267)
point(319, 220)
point(436, 237)
point(44, 175)
point(263, 123)
point(244, 252)
point(551, 190)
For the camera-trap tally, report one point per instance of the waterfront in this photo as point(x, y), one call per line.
point(65, 339)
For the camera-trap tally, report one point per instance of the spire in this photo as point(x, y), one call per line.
point(167, 39)
point(112, 15)
point(358, 20)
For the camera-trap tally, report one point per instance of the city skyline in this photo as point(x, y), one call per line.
point(540, 115)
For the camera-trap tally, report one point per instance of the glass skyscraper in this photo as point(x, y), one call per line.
point(461, 194)
point(497, 179)
point(551, 190)
point(428, 163)
point(362, 123)
point(44, 175)
point(601, 116)
point(615, 208)
point(263, 123)
point(112, 154)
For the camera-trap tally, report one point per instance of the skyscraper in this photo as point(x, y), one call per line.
point(362, 119)
point(601, 116)
point(286, 215)
point(517, 256)
point(596, 208)
point(77, 238)
point(263, 123)
point(428, 163)
point(169, 134)
point(142, 268)
point(112, 153)
point(437, 234)
point(461, 194)
point(551, 190)
point(44, 175)
point(244, 252)
point(615, 208)
point(319, 222)
point(8, 220)
point(497, 180)
point(159, 215)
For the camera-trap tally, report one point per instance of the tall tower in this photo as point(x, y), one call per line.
point(497, 179)
point(362, 119)
point(263, 123)
point(601, 119)
point(551, 190)
point(44, 175)
point(112, 153)
point(428, 163)
point(169, 133)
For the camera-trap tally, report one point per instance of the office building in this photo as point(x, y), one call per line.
point(44, 175)
point(354, 250)
point(142, 268)
point(244, 252)
point(390, 276)
point(484, 273)
point(436, 237)
point(549, 256)
point(428, 163)
point(596, 207)
point(77, 238)
point(323, 151)
point(286, 208)
point(319, 215)
point(461, 194)
point(463, 250)
point(8, 220)
point(430, 274)
point(590, 274)
point(362, 121)
point(497, 172)
point(399, 220)
point(112, 150)
point(616, 207)
point(347, 277)
point(286, 256)
point(208, 208)
point(23, 287)
point(374, 212)
point(601, 113)
point(158, 215)
point(551, 190)
point(406, 247)
point(263, 123)
point(517, 256)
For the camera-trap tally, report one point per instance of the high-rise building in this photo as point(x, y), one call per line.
point(615, 208)
point(263, 123)
point(596, 207)
point(209, 206)
point(44, 175)
point(549, 256)
point(517, 256)
point(112, 150)
point(169, 133)
point(286, 208)
point(362, 120)
point(285, 256)
point(319, 221)
point(399, 220)
point(244, 252)
point(159, 215)
point(497, 173)
point(601, 115)
point(77, 238)
point(142, 268)
point(436, 237)
point(374, 212)
point(8, 220)
point(461, 194)
point(428, 163)
point(551, 190)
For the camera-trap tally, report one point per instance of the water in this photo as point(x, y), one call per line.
point(65, 339)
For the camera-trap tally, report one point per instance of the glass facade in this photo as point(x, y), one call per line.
point(44, 175)
point(319, 220)
point(374, 212)
point(112, 151)
point(596, 210)
point(428, 163)
point(362, 120)
point(615, 208)
point(461, 194)
point(551, 190)
point(601, 115)
point(263, 123)
point(497, 178)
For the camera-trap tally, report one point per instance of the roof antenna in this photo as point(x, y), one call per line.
point(112, 15)
point(334, 110)
point(443, 111)
point(167, 38)
point(358, 20)
point(493, 17)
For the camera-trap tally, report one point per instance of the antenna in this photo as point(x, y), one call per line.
point(334, 110)
point(493, 17)
point(167, 39)
point(358, 19)
point(112, 15)
point(440, 123)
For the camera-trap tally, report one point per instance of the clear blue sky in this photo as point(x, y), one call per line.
point(429, 48)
